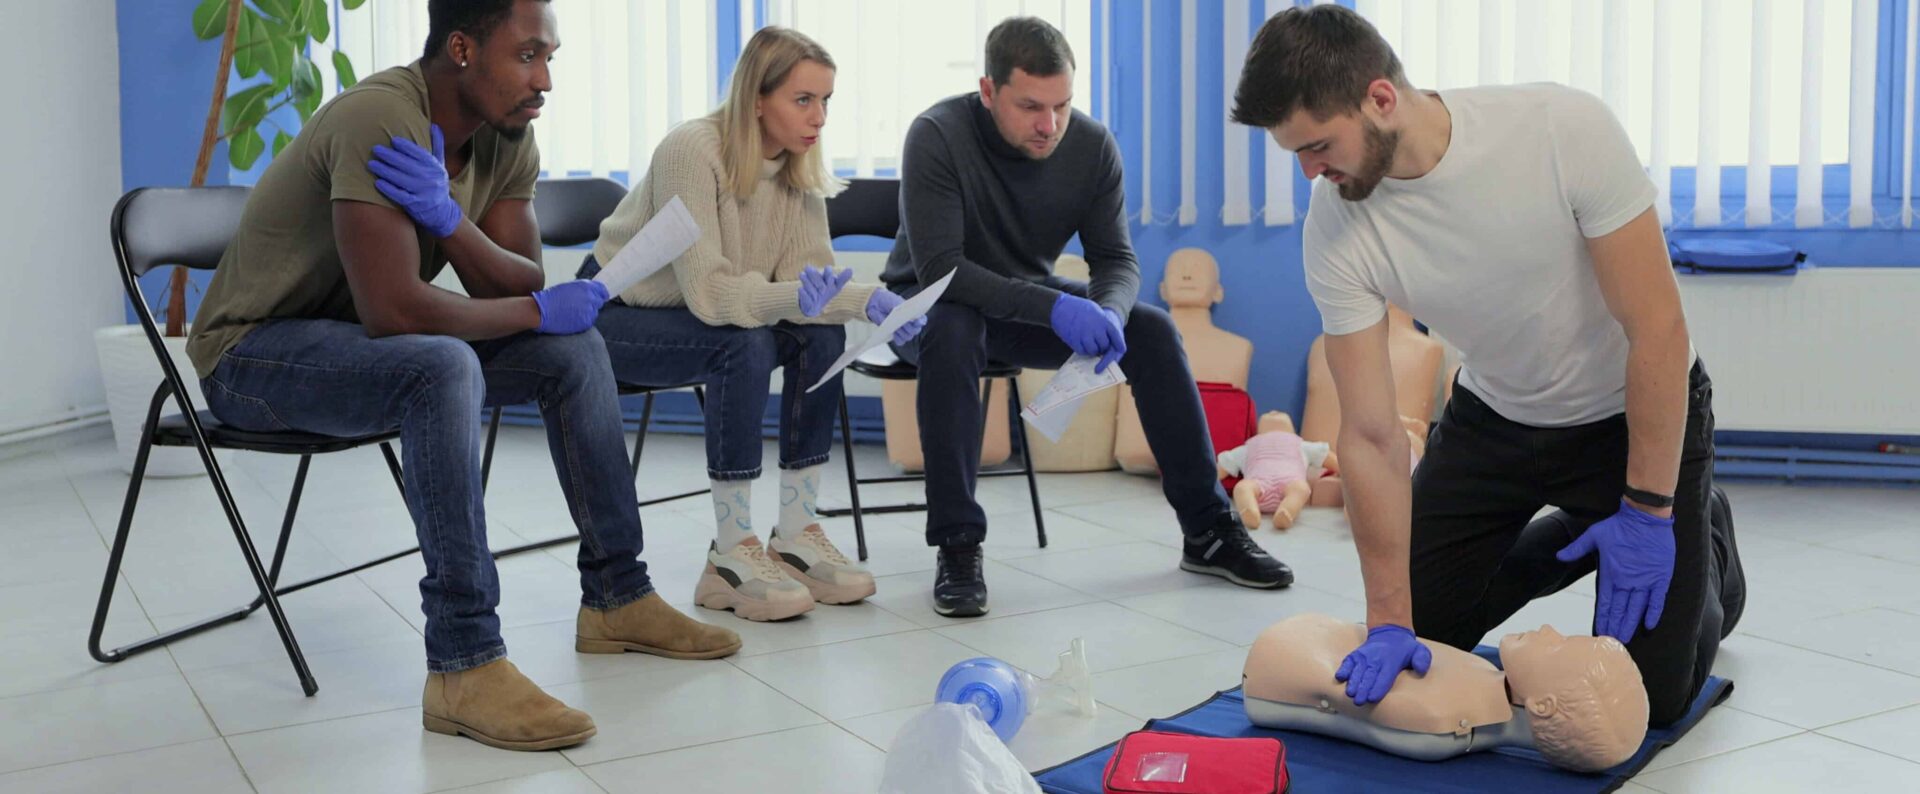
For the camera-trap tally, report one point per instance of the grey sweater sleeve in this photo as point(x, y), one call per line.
point(933, 219)
point(1103, 233)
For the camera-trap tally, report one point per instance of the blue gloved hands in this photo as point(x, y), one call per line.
point(818, 286)
point(1088, 329)
point(570, 307)
point(883, 302)
point(1636, 565)
point(416, 179)
point(1371, 669)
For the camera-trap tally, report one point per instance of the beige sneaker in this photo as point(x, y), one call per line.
point(812, 560)
point(746, 581)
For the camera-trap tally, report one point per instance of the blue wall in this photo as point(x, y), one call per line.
point(1267, 300)
point(166, 81)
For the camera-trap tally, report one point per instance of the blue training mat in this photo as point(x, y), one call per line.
point(1321, 764)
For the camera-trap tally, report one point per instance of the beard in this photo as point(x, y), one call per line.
point(1380, 148)
point(512, 133)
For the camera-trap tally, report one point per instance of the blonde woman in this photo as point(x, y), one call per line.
point(755, 293)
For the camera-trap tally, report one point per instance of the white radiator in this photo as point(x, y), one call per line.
point(1830, 350)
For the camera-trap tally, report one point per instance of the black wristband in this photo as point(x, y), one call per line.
point(1648, 498)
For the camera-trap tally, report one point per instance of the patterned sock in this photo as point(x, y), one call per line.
point(799, 495)
point(732, 512)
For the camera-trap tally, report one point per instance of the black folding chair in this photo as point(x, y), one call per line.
point(872, 207)
point(570, 212)
point(190, 227)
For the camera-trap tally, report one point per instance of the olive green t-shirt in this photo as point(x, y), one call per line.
point(283, 263)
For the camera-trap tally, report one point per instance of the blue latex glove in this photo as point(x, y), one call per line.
point(1119, 337)
point(1371, 669)
point(883, 302)
point(818, 286)
point(1086, 328)
point(1636, 565)
point(416, 179)
point(570, 308)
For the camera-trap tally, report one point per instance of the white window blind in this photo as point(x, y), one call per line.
point(625, 73)
point(1763, 84)
point(897, 59)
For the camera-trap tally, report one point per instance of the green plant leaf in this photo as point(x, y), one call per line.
point(319, 20)
point(343, 69)
point(351, 4)
point(210, 19)
point(280, 141)
point(245, 108)
point(281, 10)
point(309, 102)
point(250, 53)
point(279, 63)
point(245, 148)
point(306, 77)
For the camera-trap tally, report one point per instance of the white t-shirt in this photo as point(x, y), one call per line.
point(1489, 250)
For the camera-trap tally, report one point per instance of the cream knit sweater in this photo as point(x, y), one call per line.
point(745, 269)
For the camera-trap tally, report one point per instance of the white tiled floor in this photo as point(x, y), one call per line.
point(1826, 661)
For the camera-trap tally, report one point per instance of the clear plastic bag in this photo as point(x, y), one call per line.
point(948, 749)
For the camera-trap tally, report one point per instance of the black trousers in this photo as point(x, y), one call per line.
point(954, 349)
point(1479, 555)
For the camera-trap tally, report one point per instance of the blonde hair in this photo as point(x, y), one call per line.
point(764, 64)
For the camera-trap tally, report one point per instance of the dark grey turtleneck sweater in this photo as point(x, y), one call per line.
point(973, 202)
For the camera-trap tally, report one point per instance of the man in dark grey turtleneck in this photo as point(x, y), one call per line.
point(993, 185)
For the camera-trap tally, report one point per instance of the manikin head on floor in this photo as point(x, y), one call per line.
point(1583, 695)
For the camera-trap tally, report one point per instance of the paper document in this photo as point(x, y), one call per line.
point(914, 308)
point(668, 235)
point(1052, 410)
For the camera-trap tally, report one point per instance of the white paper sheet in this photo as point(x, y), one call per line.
point(1053, 409)
point(668, 235)
point(913, 309)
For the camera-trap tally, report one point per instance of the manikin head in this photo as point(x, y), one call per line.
point(1276, 422)
point(1192, 280)
point(1325, 84)
point(1583, 695)
point(500, 51)
point(1028, 88)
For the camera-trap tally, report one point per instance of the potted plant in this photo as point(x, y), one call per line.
point(257, 37)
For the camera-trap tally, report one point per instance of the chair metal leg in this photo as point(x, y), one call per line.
point(218, 480)
point(640, 438)
point(286, 527)
point(486, 458)
point(1026, 458)
point(853, 478)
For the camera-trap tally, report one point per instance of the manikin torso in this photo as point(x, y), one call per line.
point(1190, 288)
point(1417, 360)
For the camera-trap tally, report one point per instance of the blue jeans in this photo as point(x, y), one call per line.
point(329, 377)
point(955, 347)
point(671, 347)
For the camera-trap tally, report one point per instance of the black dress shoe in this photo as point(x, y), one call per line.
point(959, 584)
point(1228, 552)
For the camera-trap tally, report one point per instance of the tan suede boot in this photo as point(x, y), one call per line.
point(494, 704)
point(649, 625)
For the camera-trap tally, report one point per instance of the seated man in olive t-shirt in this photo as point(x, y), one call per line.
point(321, 319)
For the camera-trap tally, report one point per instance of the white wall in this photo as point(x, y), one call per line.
point(60, 151)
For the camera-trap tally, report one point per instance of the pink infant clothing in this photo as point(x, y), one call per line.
point(1273, 460)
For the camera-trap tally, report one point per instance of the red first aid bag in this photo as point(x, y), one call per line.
point(1156, 762)
point(1231, 419)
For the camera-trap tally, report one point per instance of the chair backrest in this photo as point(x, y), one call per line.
point(867, 206)
point(570, 210)
point(186, 226)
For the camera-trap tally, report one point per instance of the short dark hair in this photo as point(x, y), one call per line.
point(1028, 44)
point(1319, 59)
point(476, 18)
